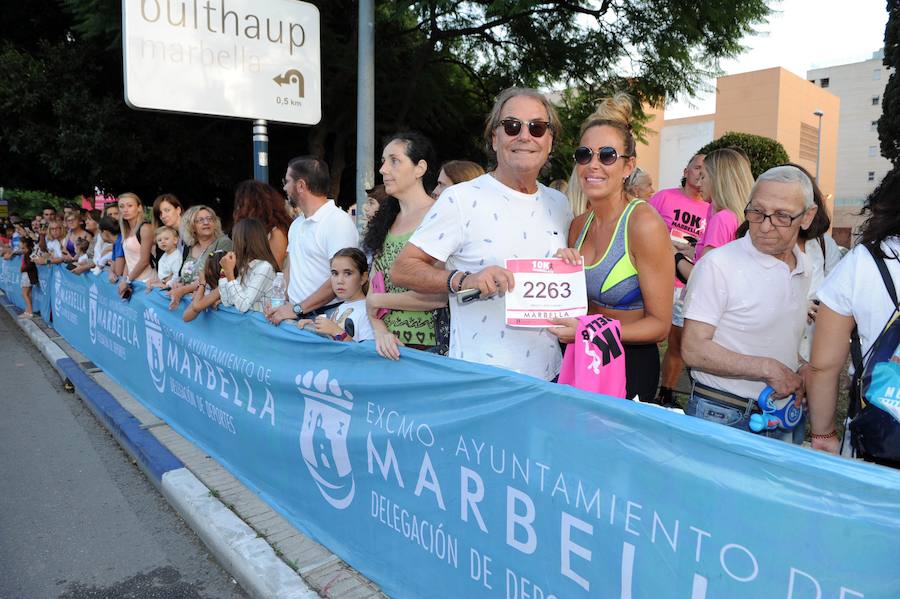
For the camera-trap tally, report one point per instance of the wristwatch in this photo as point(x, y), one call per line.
point(298, 310)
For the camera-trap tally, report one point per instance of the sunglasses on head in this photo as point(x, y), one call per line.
point(513, 127)
point(606, 155)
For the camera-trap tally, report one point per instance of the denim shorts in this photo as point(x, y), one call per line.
point(678, 307)
point(713, 411)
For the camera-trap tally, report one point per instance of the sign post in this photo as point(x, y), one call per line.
point(252, 59)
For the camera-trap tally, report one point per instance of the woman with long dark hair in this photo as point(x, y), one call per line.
point(248, 271)
point(253, 199)
point(853, 295)
point(408, 170)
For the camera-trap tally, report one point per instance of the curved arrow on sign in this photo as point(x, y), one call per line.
point(289, 78)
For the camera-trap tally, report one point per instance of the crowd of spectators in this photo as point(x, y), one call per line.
point(726, 270)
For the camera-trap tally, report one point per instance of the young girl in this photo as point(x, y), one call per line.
point(207, 294)
point(249, 271)
point(349, 281)
point(29, 275)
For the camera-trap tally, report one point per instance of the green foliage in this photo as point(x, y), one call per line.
point(763, 152)
point(889, 123)
point(26, 202)
point(574, 107)
point(438, 66)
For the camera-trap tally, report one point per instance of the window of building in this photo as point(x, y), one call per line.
point(873, 126)
point(876, 75)
point(871, 176)
point(824, 81)
point(876, 100)
point(873, 151)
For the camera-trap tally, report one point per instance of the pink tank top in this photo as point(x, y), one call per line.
point(131, 247)
point(595, 361)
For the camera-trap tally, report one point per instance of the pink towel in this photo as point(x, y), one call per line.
point(377, 285)
point(595, 361)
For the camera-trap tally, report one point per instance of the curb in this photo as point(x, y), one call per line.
point(236, 546)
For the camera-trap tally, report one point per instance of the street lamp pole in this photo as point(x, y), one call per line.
point(819, 114)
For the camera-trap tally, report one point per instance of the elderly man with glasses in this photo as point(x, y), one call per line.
point(476, 225)
point(746, 304)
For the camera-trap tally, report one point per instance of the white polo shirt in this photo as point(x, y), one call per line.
point(757, 305)
point(312, 241)
point(481, 223)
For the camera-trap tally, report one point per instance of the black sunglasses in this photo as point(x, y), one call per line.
point(513, 127)
point(606, 155)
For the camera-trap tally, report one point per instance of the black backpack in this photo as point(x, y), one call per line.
point(874, 410)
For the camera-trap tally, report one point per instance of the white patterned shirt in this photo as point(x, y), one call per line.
point(253, 291)
point(481, 223)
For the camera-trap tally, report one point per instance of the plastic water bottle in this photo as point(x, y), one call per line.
point(278, 290)
point(781, 413)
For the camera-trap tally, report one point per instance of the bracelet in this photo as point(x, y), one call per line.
point(461, 281)
point(678, 258)
point(833, 433)
point(450, 281)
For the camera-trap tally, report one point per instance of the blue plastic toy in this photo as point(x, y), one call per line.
point(776, 413)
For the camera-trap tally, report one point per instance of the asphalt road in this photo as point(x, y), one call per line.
point(78, 519)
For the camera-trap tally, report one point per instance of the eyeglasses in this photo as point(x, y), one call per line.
point(513, 127)
point(203, 220)
point(778, 219)
point(606, 155)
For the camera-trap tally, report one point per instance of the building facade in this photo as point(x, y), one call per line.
point(773, 103)
point(860, 165)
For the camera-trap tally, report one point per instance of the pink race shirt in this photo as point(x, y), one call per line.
point(683, 215)
point(719, 231)
point(595, 360)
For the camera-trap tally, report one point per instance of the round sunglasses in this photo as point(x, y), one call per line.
point(606, 155)
point(513, 127)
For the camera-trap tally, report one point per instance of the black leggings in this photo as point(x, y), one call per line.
point(641, 371)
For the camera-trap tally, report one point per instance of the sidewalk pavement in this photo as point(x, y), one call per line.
point(266, 554)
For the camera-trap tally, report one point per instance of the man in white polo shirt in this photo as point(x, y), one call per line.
point(312, 240)
point(746, 305)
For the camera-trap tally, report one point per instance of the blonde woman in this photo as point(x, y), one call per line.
point(201, 231)
point(625, 246)
point(725, 182)
point(137, 242)
point(577, 201)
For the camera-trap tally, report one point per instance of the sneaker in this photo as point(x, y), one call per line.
point(25, 315)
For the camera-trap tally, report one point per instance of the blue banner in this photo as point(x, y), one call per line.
point(437, 477)
point(11, 284)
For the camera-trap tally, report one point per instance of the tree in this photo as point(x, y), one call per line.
point(889, 123)
point(439, 64)
point(763, 152)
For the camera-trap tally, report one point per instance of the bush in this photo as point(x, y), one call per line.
point(28, 202)
point(763, 152)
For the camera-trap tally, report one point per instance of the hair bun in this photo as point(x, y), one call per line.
point(618, 108)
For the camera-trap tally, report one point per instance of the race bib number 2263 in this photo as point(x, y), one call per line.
point(545, 288)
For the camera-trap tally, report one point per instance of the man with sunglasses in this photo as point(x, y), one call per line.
point(476, 225)
point(745, 307)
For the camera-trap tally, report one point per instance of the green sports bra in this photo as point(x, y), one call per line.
point(613, 282)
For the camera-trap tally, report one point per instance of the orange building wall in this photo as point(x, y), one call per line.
point(648, 151)
point(773, 103)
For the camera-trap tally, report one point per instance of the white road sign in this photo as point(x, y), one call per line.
point(255, 59)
